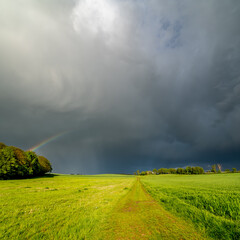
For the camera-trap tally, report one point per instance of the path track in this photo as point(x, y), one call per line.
point(138, 216)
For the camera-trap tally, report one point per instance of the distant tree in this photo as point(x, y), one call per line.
point(143, 173)
point(227, 170)
point(219, 168)
point(234, 170)
point(180, 171)
point(198, 170)
point(201, 170)
point(163, 171)
point(155, 171)
point(138, 172)
point(166, 170)
point(194, 170)
point(188, 170)
point(172, 170)
point(213, 169)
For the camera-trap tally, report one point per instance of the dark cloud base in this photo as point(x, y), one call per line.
point(135, 85)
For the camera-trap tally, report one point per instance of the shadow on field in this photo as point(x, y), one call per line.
point(49, 175)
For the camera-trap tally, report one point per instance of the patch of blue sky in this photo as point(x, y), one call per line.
point(168, 34)
point(168, 31)
point(175, 40)
point(165, 24)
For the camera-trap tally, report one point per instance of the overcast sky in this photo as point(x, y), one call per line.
point(132, 84)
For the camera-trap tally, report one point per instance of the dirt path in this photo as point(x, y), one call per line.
point(139, 216)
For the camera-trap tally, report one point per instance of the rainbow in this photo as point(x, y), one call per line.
point(46, 141)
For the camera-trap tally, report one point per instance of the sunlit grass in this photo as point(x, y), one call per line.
point(138, 216)
point(92, 207)
point(211, 202)
point(59, 207)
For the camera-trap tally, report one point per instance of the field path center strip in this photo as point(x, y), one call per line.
point(139, 216)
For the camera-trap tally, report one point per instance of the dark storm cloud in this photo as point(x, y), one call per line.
point(136, 84)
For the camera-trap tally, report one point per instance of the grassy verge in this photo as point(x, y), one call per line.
point(60, 207)
point(210, 202)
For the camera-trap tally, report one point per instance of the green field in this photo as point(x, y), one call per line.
point(211, 202)
point(121, 207)
point(60, 207)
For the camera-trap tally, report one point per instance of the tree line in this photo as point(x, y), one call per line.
point(187, 170)
point(16, 163)
point(216, 168)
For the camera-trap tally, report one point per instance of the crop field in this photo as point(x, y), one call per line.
point(211, 202)
point(121, 207)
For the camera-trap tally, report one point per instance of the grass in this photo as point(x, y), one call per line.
point(138, 216)
point(121, 207)
point(210, 202)
point(61, 207)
